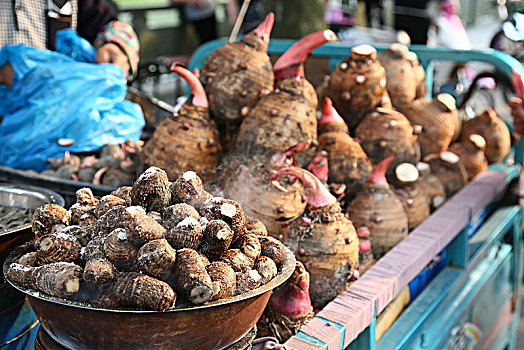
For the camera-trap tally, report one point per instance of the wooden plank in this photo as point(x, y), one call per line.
point(325, 332)
point(295, 343)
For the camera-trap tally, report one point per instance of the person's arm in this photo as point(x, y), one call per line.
point(6, 74)
point(115, 41)
point(517, 111)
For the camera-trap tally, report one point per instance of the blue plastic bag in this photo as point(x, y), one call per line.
point(54, 97)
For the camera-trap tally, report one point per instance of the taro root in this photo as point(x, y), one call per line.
point(224, 280)
point(59, 279)
point(68, 160)
point(188, 188)
point(235, 76)
point(420, 75)
point(272, 248)
point(256, 227)
point(57, 246)
point(431, 186)
point(77, 210)
point(151, 190)
point(493, 130)
point(348, 164)
point(47, 216)
point(274, 205)
point(247, 280)
point(227, 210)
point(113, 219)
point(140, 227)
point(105, 300)
point(288, 309)
point(415, 203)
point(156, 258)
point(155, 215)
point(186, 234)
point(357, 85)
point(123, 192)
point(286, 116)
point(89, 223)
point(266, 268)
point(144, 292)
point(99, 271)
point(84, 196)
point(82, 235)
point(380, 210)
point(116, 177)
point(471, 154)
point(400, 75)
point(191, 277)
point(385, 133)
point(93, 250)
point(365, 255)
point(106, 203)
point(323, 239)
point(237, 260)
point(187, 141)
point(119, 250)
point(217, 238)
point(449, 170)
point(28, 259)
point(174, 214)
point(249, 245)
point(439, 120)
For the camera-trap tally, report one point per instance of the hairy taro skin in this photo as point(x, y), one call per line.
point(60, 279)
point(227, 210)
point(233, 76)
point(174, 214)
point(47, 216)
point(380, 210)
point(186, 234)
point(151, 190)
point(144, 292)
point(191, 141)
point(357, 86)
point(217, 239)
point(280, 120)
point(107, 203)
point(56, 247)
point(224, 279)
point(156, 258)
point(191, 277)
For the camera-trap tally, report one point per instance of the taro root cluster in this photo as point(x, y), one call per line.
point(115, 166)
point(151, 246)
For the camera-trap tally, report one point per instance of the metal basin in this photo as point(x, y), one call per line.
point(212, 326)
point(22, 196)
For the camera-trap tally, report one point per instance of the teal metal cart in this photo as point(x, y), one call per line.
point(475, 298)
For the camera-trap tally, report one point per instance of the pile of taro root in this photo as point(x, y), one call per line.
point(147, 247)
point(114, 166)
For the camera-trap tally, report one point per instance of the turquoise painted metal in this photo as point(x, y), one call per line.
point(18, 323)
point(478, 288)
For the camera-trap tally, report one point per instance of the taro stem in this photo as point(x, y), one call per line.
point(291, 63)
point(378, 176)
point(318, 195)
point(197, 90)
